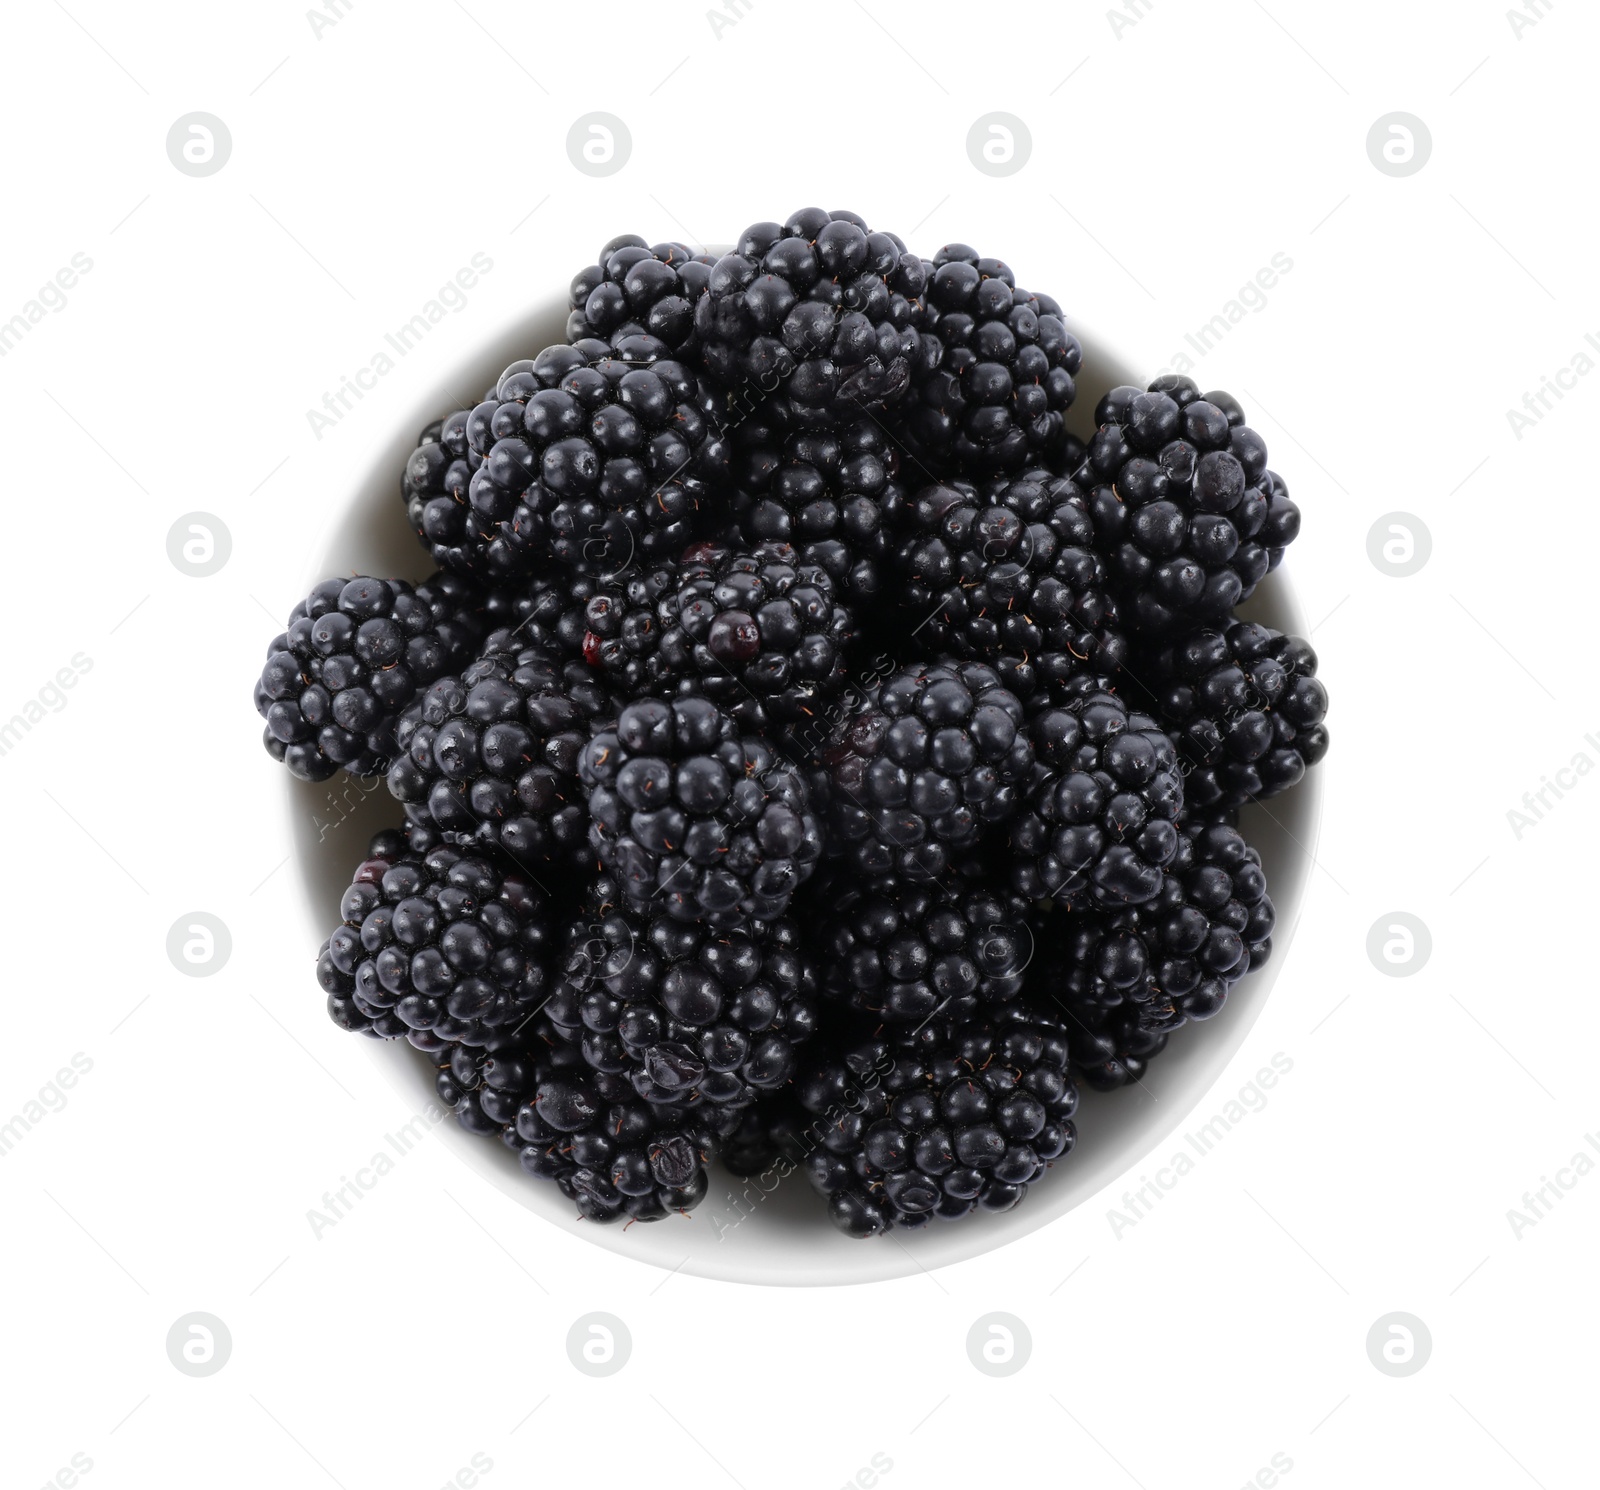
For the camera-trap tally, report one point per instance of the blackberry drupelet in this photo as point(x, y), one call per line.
point(1010, 576)
point(695, 819)
point(906, 952)
point(577, 452)
point(491, 755)
point(820, 308)
point(1245, 707)
point(1101, 823)
point(354, 655)
point(1123, 980)
point(939, 1123)
point(936, 755)
point(1185, 509)
point(442, 947)
point(755, 630)
point(638, 292)
point(998, 368)
point(836, 494)
point(682, 1012)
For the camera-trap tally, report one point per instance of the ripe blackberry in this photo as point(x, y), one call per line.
point(939, 1123)
point(615, 1156)
point(821, 308)
point(835, 494)
point(636, 291)
point(1010, 576)
point(1186, 510)
point(757, 630)
point(998, 368)
point(682, 1012)
point(935, 755)
point(695, 820)
point(1125, 979)
point(906, 952)
point(1101, 821)
point(440, 947)
point(578, 452)
point(1245, 707)
point(491, 755)
point(354, 655)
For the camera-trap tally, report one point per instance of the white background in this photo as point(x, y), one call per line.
point(1171, 159)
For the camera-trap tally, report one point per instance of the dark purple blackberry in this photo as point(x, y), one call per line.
point(491, 755)
point(355, 654)
point(1011, 577)
point(935, 755)
point(1245, 707)
point(1185, 509)
point(579, 452)
point(820, 308)
point(907, 952)
point(694, 819)
point(636, 291)
point(617, 1157)
point(835, 494)
point(1101, 822)
point(684, 1013)
point(1125, 979)
point(444, 947)
point(939, 1123)
point(998, 368)
point(755, 630)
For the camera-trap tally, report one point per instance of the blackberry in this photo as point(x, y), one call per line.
point(695, 820)
point(440, 947)
point(1102, 816)
point(1186, 511)
point(835, 494)
point(578, 452)
point(615, 1156)
point(354, 655)
point(940, 1123)
point(820, 308)
point(936, 754)
point(1011, 577)
point(998, 368)
point(1245, 707)
point(906, 952)
point(635, 292)
point(1123, 980)
point(756, 630)
point(682, 1012)
point(491, 756)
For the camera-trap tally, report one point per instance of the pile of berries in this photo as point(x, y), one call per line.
point(808, 753)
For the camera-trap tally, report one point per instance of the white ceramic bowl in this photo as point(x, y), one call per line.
point(741, 1233)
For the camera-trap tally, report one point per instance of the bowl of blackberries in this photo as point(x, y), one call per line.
point(801, 740)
